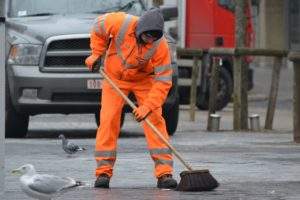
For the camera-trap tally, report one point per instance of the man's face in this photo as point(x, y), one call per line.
point(147, 38)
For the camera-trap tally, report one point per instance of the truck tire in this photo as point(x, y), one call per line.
point(16, 124)
point(224, 94)
point(171, 117)
point(97, 118)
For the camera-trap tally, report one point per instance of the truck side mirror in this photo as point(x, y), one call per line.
point(169, 12)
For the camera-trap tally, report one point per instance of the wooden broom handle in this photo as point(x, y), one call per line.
point(156, 131)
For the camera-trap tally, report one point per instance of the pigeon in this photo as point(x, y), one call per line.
point(43, 186)
point(69, 147)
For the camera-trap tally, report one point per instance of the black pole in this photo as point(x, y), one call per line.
point(2, 95)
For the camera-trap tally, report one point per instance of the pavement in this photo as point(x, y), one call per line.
point(248, 165)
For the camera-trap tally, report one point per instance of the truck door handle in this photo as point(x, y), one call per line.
point(219, 41)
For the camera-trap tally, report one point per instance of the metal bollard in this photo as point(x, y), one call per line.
point(254, 122)
point(215, 122)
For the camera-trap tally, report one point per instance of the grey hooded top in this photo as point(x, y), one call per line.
point(151, 20)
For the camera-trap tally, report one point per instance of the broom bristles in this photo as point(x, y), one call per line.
point(197, 180)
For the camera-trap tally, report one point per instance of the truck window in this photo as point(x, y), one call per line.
point(23, 8)
point(227, 4)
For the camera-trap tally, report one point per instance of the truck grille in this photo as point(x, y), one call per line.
point(71, 44)
point(56, 61)
point(66, 53)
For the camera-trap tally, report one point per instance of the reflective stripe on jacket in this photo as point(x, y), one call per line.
point(113, 34)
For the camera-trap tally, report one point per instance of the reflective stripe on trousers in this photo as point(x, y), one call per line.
point(162, 156)
point(105, 160)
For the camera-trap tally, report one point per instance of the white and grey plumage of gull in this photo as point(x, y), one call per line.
point(68, 146)
point(43, 186)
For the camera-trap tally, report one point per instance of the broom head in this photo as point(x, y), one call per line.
point(197, 180)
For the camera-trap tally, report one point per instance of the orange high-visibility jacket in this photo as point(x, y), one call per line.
point(126, 59)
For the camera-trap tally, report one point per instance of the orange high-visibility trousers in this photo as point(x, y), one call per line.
point(108, 131)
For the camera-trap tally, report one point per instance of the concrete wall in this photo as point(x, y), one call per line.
point(272, 26)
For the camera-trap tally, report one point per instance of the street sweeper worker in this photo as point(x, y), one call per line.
point(137, 59)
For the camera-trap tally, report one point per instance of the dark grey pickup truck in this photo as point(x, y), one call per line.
point(46, 45)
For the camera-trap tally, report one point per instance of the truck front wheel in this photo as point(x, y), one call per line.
point(171, 117)
point(16, 124)
point(225, 89)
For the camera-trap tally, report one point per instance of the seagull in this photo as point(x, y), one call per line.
point(69, 147)
point(42, 186)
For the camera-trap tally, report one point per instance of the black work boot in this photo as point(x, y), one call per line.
point(166, 182)
point(102, 181)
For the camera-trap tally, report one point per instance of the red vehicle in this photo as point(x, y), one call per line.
point(211, 23)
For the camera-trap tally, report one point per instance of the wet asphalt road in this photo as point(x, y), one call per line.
point(261, 165)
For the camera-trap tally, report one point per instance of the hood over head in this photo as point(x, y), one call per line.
point(151, 20)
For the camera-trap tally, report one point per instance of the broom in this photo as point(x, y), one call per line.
point(191, 180)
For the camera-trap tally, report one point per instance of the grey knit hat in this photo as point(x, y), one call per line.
point(151, 21)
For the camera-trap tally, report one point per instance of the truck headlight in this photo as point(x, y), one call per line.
point(24, 54)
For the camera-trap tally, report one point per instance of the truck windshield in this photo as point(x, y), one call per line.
point(25, 8)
